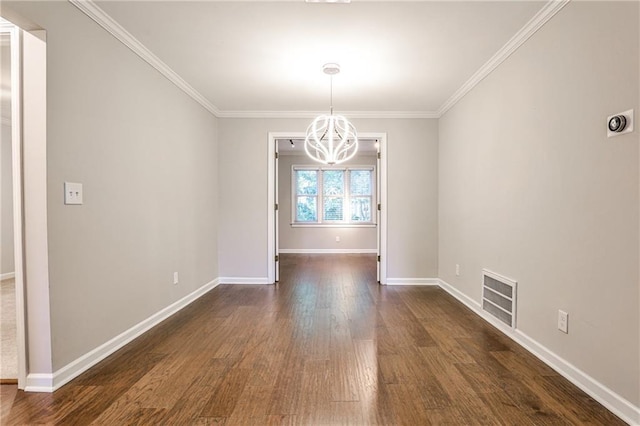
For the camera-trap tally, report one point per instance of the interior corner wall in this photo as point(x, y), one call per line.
point(412, 149)
point(319, 238)
point(532, 188)
point(146, 154)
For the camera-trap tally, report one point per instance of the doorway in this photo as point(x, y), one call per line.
point(28, 127)
point(12, 353)
point(290, 140)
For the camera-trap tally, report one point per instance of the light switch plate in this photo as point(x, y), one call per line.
point(72, 193)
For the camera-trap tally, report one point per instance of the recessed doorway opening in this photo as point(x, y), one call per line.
point(343, 213)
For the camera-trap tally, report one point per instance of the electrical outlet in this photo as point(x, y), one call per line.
point(457, 270)
point(337, 238)
point(563, 321)
point(175, 278)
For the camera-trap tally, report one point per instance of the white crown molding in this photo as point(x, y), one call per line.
point(530, 28)
point(89, 8)
point(93, 11)
point(313, 114)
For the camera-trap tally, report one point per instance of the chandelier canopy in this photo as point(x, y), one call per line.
point(331, 139)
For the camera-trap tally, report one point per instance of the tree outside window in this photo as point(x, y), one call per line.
point(333, 196)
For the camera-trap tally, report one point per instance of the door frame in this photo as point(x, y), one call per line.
point(15, 43)
point(272, 140)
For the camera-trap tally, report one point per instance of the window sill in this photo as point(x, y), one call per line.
point(333, 225)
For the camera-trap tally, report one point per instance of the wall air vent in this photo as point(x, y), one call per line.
point(499, 297)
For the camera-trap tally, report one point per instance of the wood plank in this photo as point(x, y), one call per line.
point(327, 345)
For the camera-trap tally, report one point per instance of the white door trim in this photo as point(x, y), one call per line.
point(271, 183)
point(15, 37)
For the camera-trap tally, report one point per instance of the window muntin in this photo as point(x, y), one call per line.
point(333, 196)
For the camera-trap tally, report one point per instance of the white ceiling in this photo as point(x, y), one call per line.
point(265, 56)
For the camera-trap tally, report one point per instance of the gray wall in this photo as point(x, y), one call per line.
point(531, 188)
point(412, 193)
point(6, 179)
point(146, 154)
point(318, 238)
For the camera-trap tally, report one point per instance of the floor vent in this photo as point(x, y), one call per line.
point(499, 297)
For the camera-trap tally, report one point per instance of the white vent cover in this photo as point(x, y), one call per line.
point(499, 297)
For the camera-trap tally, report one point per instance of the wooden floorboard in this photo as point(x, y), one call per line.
point(326, 346)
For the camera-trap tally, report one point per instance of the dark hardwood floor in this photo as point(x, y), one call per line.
point(326, 346)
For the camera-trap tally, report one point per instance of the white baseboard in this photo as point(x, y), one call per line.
point(413, 281)
point(7, 276)
point(466, 300)
point(51, 382)
point(244, 280)
point(319, 251)
point(601, 393)
point(39, 383)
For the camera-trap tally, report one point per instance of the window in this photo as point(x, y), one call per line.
point(330, 196)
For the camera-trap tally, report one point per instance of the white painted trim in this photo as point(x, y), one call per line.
point(413, 281)
point(36, 303)
point(94, 12)
point(44, 383)
point(272, 138)
point(7, 276)
point(330, 251)
point(466, 300)
point(382, 221)
point(601, 393)
point(332, 225)
point(15, 35)
point(382, 185)
point(39, 383)
point(313, 114)
point(530, 28)
point(246, 280)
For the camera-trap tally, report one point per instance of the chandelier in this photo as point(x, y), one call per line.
point(331, 139)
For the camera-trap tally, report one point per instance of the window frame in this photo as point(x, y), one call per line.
point(346, 198)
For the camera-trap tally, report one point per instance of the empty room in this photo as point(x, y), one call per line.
point(320, 212)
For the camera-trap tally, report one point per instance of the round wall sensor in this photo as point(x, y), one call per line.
point(617, 123)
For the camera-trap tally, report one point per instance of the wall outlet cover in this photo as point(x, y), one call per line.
point(563, 321)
